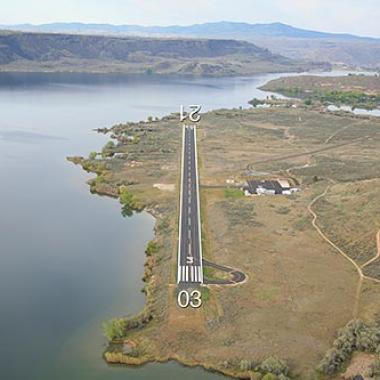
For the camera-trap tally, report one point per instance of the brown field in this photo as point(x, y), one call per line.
point(300, 287)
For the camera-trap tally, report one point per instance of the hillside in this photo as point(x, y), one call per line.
point(359, 91)
point(137, 55)
point(365, 84)
point(280, 38)
point(276, 29)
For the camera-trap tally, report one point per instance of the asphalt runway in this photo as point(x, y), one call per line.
point(190, 268)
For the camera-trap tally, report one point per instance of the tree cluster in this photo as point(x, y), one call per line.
point(356, 336)
point(271, 368)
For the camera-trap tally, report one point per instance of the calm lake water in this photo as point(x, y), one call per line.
point(68, 259)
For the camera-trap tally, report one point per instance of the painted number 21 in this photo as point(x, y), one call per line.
point(186, 299)
point(193, 115)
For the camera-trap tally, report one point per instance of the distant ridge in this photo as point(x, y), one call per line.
point(344, 49)
point(35, 51)
point(222, 28)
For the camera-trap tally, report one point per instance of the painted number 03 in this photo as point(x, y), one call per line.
point(186, 299)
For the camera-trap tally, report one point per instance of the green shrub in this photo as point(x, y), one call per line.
point(274, 365)
point(99, 179)
point(110, 145)
point(375, 370)
point(114, 328)
point(92, 155)
point(163, 225)
point(129, 202)
point(205, 293)
point(270, 376)
point(355, 336)
point(308, 102)
point(245, 365)
point(282, 377)
point(152, 248)
point(255, 102)
point(283, 210)
point(107, 149)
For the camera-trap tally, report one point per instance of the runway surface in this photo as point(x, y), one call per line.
point(190, 268)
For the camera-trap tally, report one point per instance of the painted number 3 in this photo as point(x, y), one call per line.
point(193, 299)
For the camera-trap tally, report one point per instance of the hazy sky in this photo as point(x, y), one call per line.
point(352, 16)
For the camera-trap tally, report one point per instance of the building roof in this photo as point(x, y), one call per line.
point(284, 183)
point(275, 186)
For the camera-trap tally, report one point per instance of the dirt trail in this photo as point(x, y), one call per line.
point(336, 133)
point(362, 277)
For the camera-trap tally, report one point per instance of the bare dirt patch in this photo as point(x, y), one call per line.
point(164, 187)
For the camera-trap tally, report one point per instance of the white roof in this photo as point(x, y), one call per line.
point(283, 182)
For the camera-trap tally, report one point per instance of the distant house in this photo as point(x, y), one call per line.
point(269, 187)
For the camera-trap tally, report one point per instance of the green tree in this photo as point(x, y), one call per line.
point(355, 336)
point(308, 102)
point(152, 248)
point(274, 365)
point(255, 102)
point(245, 365)
point(270, 376)
point(129, 202)
point(114, 328)
point(92, 155)
point(110, 145)
point(107, 148)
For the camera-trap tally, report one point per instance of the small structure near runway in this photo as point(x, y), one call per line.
point(269, 187)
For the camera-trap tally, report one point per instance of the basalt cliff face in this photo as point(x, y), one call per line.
point(137, 55)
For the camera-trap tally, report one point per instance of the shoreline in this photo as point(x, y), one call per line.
point(158, 75)
point(118, 358)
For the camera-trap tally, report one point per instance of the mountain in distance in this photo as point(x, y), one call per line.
point(51, 52)
point(295, 43)
point(222, 28)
